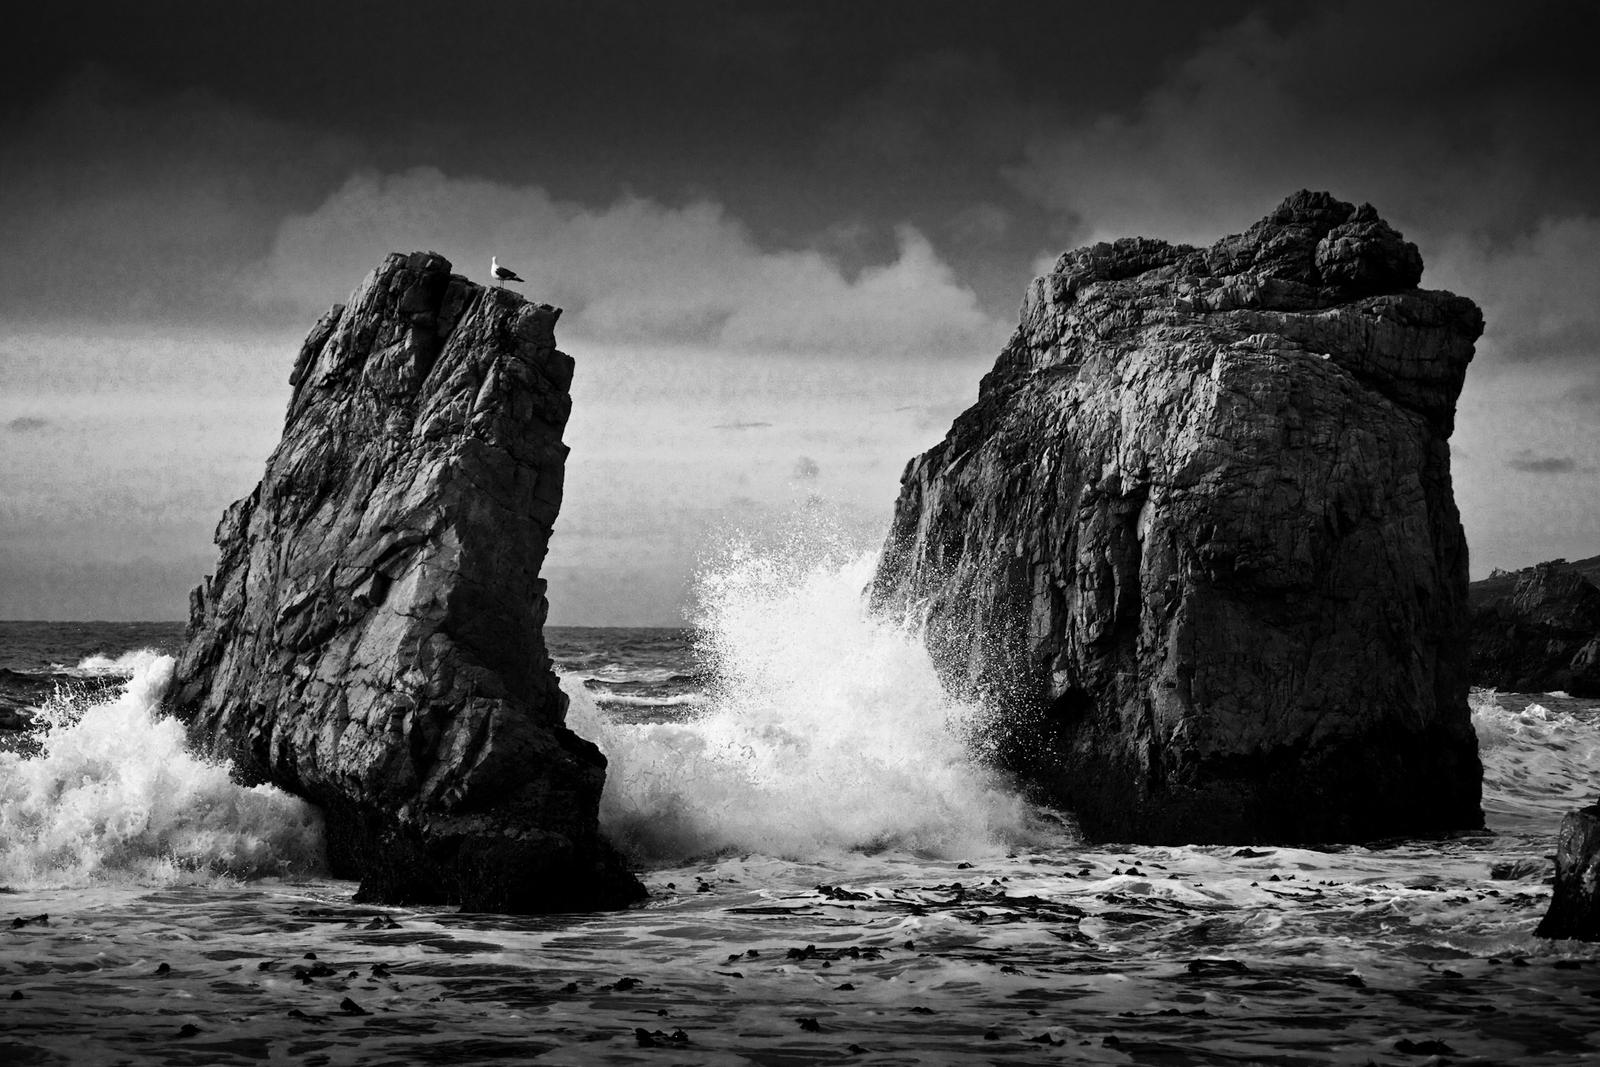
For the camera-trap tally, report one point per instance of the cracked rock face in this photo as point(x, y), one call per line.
point(1575, 901)
point(1196, 546)
point(372, 639)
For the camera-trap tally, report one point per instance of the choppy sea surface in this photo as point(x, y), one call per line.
point(834, 878)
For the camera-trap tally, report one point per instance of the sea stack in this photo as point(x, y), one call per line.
point(1196, 548)
point(373, 637)
point(1575, 904)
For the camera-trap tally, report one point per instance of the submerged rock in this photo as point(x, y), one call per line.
point(372, 639)
point(1575, 905)
point(1196, 544)
point(1540, 634)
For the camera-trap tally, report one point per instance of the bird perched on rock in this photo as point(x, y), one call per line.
point(502, 274)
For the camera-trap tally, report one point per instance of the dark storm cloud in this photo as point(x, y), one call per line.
point(1472, 133)
point(637, 271)
point(119, 205)
point(1477, 120)
point(739, 197)
point(926, 103)
point(1529, 463)
point(157, 186)
point(931, 142)
point(689, 72)
point(1540, 292)
point(239, 113)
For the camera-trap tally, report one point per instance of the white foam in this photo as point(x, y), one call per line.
point(1537, 762)
point(825, 730)
point(618, 672)
point(124, 665)
point(114, 794)
point(675, 700)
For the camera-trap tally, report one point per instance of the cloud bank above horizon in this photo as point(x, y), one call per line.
point(828, 264)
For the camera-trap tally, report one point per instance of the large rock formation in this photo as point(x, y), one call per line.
point(1196, 544)
point(1575, 904)
point(372, 639)
point(1537, 630)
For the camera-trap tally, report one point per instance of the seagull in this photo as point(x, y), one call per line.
point(502, 274)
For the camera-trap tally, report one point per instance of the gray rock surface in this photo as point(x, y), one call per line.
point(372, 639)
point(1538, 630)
point(1196, 546)
point(1575, 904)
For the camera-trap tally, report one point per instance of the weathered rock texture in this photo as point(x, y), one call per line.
point(1196, 542)
point(1537, 630)
point(1575, 905)
point(372, 639)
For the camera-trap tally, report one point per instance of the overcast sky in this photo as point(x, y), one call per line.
point(789, 239)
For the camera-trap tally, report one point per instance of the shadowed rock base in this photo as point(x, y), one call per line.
point(1575, 906)
point(1339, 792)
point(509, 871)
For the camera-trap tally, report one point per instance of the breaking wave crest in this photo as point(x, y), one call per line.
point(113, 794)
point(124, 665)
point(824, 730)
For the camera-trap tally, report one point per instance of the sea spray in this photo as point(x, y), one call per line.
point(114, 793)
point(124, 664)
point(824, 730)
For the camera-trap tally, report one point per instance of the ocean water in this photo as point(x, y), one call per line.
point(834, 878)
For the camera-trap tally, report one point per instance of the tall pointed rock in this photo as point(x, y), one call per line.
point(372, 639)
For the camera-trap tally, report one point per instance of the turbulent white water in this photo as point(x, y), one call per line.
point(820, 731)
point(114, 794)
point(1538, 762)
point(831, 879)
point(124, 664)
point(824, 730)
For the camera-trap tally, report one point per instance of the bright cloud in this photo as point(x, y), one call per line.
point(637, 271)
